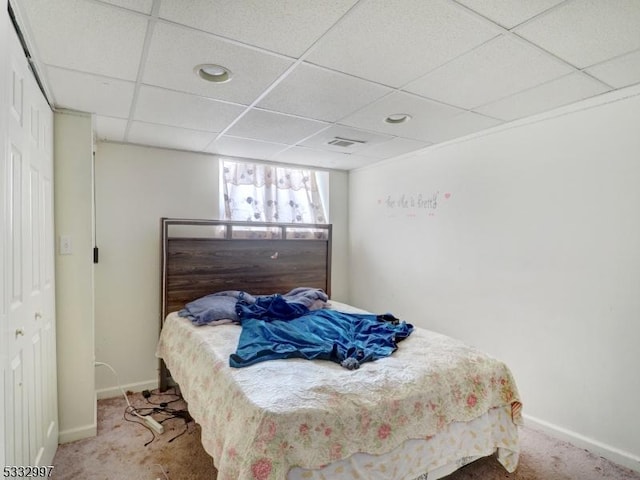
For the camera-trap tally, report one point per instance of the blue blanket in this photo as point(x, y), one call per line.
point(220, 307)
point(273, 328)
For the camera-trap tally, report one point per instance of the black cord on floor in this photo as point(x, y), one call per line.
point(129, 411)
point(158, 408)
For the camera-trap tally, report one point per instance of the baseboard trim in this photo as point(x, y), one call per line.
point(621, 457)
point(79, 433)
point(112, 392)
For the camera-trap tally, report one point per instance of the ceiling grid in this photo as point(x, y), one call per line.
point(304, 73)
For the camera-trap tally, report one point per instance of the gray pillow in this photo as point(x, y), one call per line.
point(211, 309)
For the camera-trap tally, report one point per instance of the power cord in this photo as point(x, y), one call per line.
point(147, 420)
point(143, 415)
point(163, 472)
point(103, 364)
point(164, 408)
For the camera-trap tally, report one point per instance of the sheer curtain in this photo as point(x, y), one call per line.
point(267, 193)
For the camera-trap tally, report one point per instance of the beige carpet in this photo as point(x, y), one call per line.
point(119, 453)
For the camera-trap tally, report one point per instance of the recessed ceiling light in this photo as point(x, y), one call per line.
point(396, 118)
point(213, 73)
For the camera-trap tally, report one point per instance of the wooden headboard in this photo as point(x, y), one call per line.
point(199, 257)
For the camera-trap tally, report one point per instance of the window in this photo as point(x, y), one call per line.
point(266, 193)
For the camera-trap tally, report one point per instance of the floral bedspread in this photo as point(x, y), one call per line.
point(258, 422)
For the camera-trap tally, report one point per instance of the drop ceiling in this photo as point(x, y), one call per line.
point(307, 71)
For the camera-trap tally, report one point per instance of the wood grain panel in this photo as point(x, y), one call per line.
point(197, 267)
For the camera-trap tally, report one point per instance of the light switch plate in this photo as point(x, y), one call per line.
point(66, 246)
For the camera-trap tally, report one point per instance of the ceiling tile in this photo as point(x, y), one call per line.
point(91, 93)
point(392, 148)
point(245, 147)
point(315, 92)
point(461, 125)
point(284, 27)
point(352, 162)
point(509, 13)
point(168, 137)
point(321, 158)
point(157, 105)
point(87, 36)
point(395, 41)
point(275, 127)
point(175, 52)
point(619, 72)
point(143, 6)
point(556, 93)
point(109, 128)
point(321, 139)
point(585, 32)
point(425, 114)
point(497, 69)
point(450, 64)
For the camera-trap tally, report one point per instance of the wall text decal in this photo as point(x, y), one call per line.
point(413, 203)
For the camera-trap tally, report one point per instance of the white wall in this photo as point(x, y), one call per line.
point(74, 275)
point(135, 187)
point(339, 212)
point(530, 252)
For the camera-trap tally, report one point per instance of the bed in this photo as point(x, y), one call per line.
point(431, 407)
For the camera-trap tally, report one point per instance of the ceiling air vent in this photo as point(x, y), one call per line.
point(345, 142)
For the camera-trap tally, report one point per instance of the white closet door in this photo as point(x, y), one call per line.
point(4, 101)
point(30, 397)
